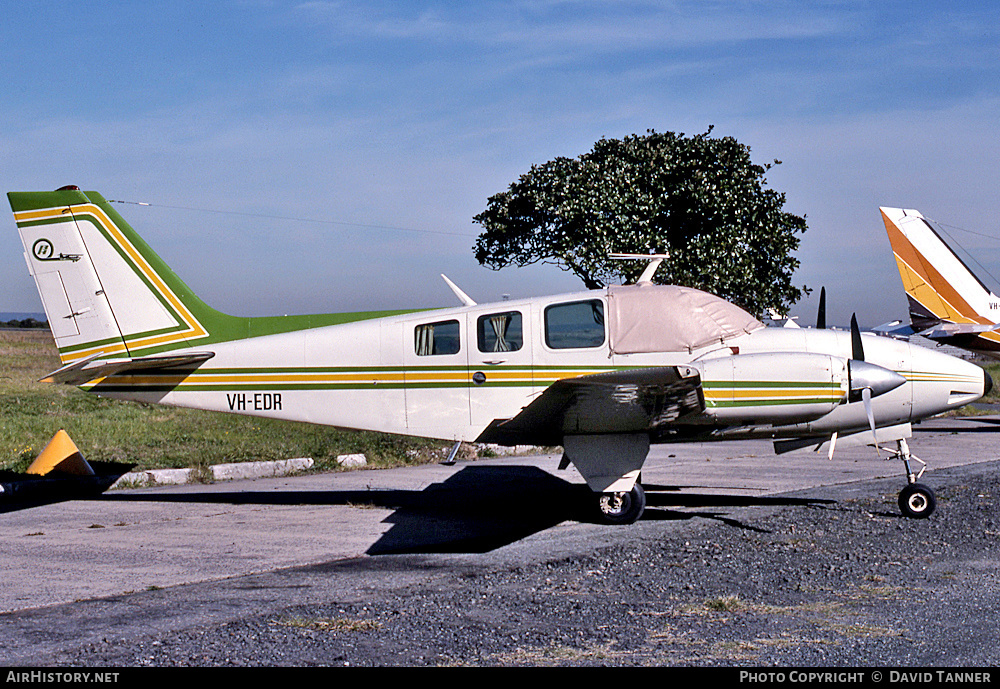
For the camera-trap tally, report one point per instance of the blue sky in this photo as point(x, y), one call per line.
point(329, 156)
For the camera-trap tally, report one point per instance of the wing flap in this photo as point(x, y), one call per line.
point(628, 401)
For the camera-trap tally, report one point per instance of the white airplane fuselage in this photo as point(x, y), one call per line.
point(369, 375)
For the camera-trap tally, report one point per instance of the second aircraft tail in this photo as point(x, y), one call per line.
point(946, 299)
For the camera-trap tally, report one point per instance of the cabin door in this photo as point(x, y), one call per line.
point(500, 364)
point(436, 377)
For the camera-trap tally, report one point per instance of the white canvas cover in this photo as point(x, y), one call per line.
point(668, 318)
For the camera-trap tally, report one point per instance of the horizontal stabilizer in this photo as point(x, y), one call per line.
point(896, 329)
point(92, 368)
point(952, 329)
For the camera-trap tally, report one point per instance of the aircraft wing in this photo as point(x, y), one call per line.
point(92, 368)
point(628, 401)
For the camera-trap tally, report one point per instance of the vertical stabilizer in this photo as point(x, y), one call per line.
point(105, 293)
point(939, 286)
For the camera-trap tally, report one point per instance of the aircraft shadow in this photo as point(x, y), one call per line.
point(477, 509)
point(670, 496)
point(993, 427)
point(659, 500)
point(23, 491)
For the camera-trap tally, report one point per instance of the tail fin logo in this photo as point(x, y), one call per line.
point(44, 251)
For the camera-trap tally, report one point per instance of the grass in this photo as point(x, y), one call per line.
point(156, 437)
point(724, 604)
point(330, 624)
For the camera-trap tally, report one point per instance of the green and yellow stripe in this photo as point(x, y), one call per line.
point(769, 393)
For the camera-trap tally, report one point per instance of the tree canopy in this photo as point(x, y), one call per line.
point(697, 198)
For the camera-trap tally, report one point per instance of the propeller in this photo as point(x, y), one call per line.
point(866, 397)
point(867, 380)
point(821, 314)
point(833, 445)
point(857, 349)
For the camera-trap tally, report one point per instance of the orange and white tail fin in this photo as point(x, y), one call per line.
point(946, 299)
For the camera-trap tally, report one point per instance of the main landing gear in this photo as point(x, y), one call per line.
point(916, 501)
point(622, 508)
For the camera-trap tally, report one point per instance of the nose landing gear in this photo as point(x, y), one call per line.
point(916, 500)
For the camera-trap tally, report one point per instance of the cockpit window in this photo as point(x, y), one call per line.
point(575, 325)
point(432, 339)
point(500, 332)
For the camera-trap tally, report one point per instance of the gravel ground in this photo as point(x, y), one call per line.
point(825, 578)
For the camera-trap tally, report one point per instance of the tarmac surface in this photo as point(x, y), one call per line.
point(199, 574)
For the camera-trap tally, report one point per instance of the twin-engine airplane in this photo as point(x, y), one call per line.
point(948, 303)
point(603, 373)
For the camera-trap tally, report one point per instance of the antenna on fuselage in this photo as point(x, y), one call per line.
point(462, 296)
point(654, 262)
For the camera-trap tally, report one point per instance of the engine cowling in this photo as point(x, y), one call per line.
point(782, 388)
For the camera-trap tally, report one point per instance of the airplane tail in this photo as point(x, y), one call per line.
point(105, 293)
point(946, 298)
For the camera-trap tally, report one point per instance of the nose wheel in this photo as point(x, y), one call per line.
point(917, 501)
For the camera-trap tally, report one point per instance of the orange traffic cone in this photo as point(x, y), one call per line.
point(61, 454)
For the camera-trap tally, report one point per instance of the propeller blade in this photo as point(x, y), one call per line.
point(857, 349)
point(833, 445)
point(821, 314)
point(866, 397)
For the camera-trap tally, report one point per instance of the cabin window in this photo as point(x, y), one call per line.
point(575, 325)
point(433, 339)
point(500, 332)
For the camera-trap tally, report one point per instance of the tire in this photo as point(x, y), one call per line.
point(622, 508)
point(917, 501)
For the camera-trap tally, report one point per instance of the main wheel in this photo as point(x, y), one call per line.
point(917, 501)
point(622, 508)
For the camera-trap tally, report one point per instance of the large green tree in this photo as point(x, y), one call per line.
point(699, 199)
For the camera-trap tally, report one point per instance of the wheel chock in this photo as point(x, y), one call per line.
point(62, 455)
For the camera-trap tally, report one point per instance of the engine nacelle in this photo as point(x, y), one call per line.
point(773, 388)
